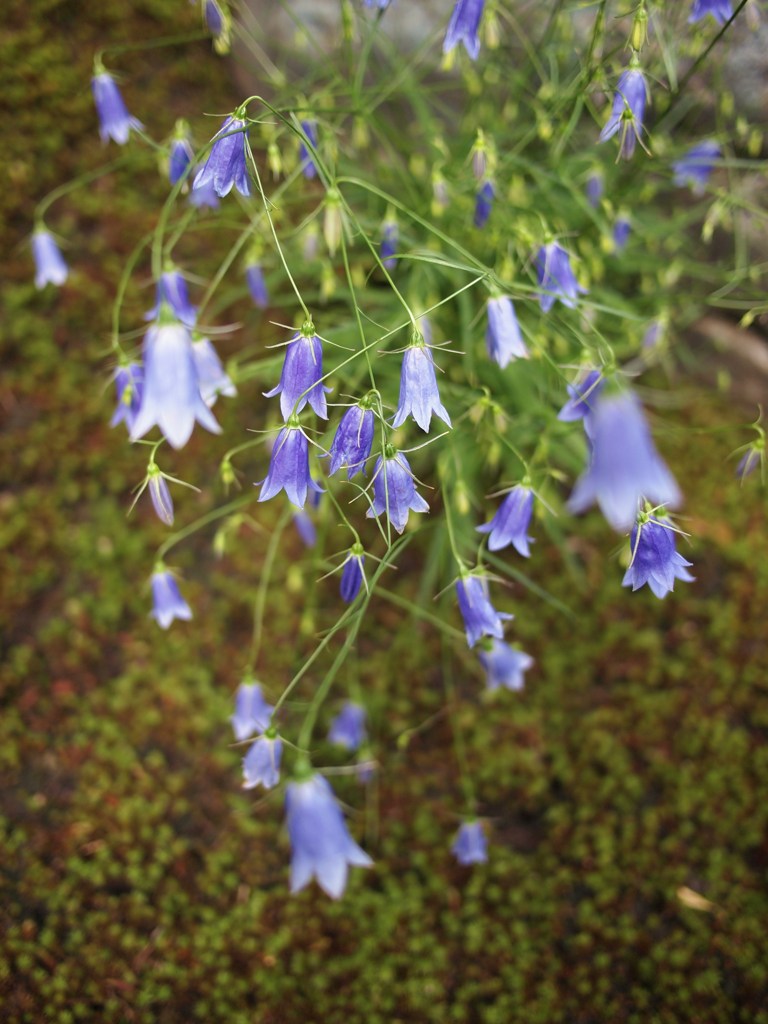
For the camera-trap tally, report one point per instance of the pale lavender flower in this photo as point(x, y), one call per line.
point(504, 666)
point(162, 501)
point(582, 397)
point(627, 112)
point(300, 379)
point(289, 467)
point(654, 558)
point(348, 727)
point(226, 163)
point(480, 617)
point(503, 338)
point(484, 204)
point(352, 575)
point(595, 188)
point(128, 384)
point(419, 396)
point(721, 10)
point(261, 765)
point(390, 238)
point(167, 602)
point(394, 491)
point(171, 394)
point(114, 120)
point(751, 459)
point(257, 286)
point(621, 232)
point(556, 278)
point(172, 289)
point(470, 846)
point(204, 196)
point(322, 848)
point(211, 375)
point(50, 267)
point(511, 522)
point(352, 442)
point(253, 712)
point(695, 167)
point(625, 467)
point(305, 527)
point(464, 27)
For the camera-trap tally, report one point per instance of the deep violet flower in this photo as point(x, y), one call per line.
point(625, 466)
point(322, 848)
point(50, 267)
point(695, 167)
point(172, 288)
point(721, 10)
point(627, 112)
point(352, 574)
point(419, 396)
point(171, 393)
point(394, 491)
point(484, 203)
point(351, 445)
point(180, 157)
point(257, 286)
point(252, 712)
point(480, 617)
point(511, 522)
point(226, 163)
point(128, 384)
point(582, 397)
point(114, 120)
point(167, 602)
point(503, 338)
point(211, 375)
point(654, 558)
point(504, 665)
point(261, 765)
point(348, 727)
point(289, 467)
point(300, 379)
point(470, 846)
point(556, 278)
point(464, 27)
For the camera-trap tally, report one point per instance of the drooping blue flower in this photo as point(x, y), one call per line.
point(348, 727)
point(171, 393)
point(50, 267)
point(322, 847)
point(470, 846)
point(308, 166)
point(172, 288)
point(289, 467)
point(162, 501)
point(128, 384)
point(204, 196)
point(653, 335)
point(721, 10)
point(214, 18)
point(180, 159)
point(394, 491)
point(695, 167)
point(352, 442)
point(511, 522)
point(751, 459)
point(625, 466)
point(226, 164)
point(504, 666)
point(503, 337)
point(257, 286)
point(352, 575)
point(381, 4)
point(212, 378)
point(305, 527)
point(419, 396)
point(654, 558)
point(621, 232)
point(114, 120)
point(390, 238)
point(595, 188)
point(627, 112)
point(464, 27)
point(261, 765)
point(167, 602)
point(556, 278)
point(253, 712)
point(480, 617)
point(300, 379)
point(582, 397)
point(484, 203)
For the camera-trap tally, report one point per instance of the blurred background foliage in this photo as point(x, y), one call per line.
point(626, 790)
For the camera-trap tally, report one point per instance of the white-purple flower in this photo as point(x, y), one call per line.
point(253, 712)
point(128, 384)
point(114, 120)
point(627, 112)
point(695, 167)
point(625, 467)
point(322, 848)
point(504, 665)
point(511, 522)
point(212, 378)
point(289, 467)
point(394, 491)
point(419, 396)
point(226, 163)
point(257, 286)
point(655, 560)
point(50, 267)
point(480, 617)
point(167, 602)
point(556, 278)
point(171, 394)
point(348, 727)
point(352, 575)
point(503, 337)
point(464, 27)
point(470, 846)
point(721, 10)
point(261, 765)
point(352, 442)
point(300, 378)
